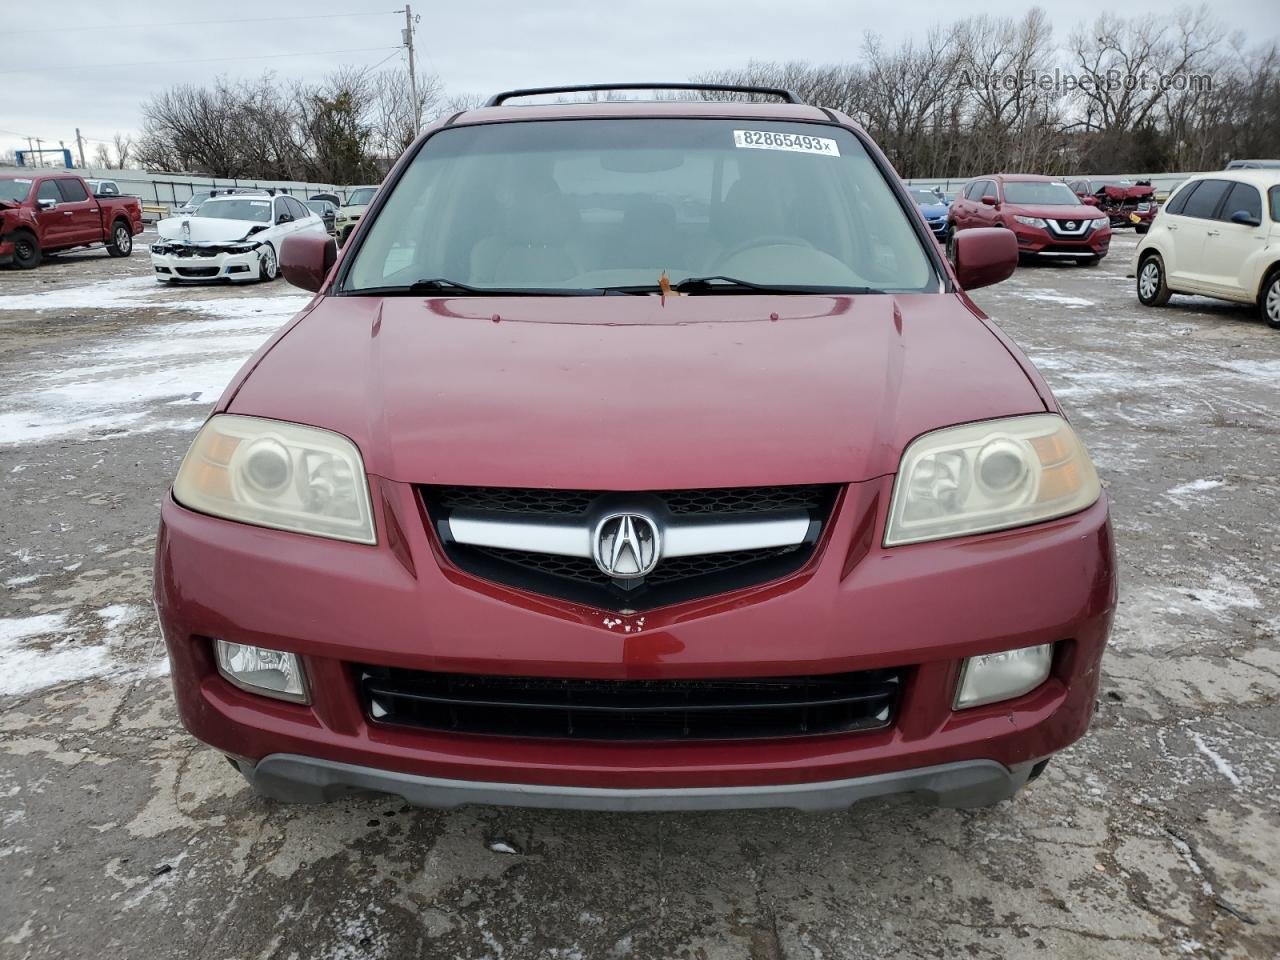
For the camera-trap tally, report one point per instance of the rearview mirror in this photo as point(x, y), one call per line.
point(305, 259)
point(1246, 218)
point(983, 256)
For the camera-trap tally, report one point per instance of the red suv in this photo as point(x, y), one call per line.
point(638, 455)
point(1045, 215)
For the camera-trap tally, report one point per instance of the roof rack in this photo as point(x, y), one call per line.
point(786, 96)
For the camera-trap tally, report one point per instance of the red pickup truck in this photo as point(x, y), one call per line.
point(52, 211)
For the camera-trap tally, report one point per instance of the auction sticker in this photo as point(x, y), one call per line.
point(794, 142)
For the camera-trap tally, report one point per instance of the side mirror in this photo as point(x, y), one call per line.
point(1246, 218)
point(990, 201)
point(46, 204)
point(305, 259)
point(284, 218)
point(983, 256)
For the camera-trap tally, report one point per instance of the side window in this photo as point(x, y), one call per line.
point(1242, 197)
point(1180, 198)
point(972, 190)
point(989, 189)
point(109, 190)
point(279, 209)
point(297, 208)
point(1274, 195)
point(49, 191)
point(72, 190)
point(1204, 201)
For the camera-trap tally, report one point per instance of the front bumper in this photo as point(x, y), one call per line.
point(972, 783)
point(1037, 241)
point(854, 607)
point(218, 266)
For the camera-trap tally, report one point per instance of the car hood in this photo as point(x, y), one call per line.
point(634, 393)
point(208, 229)
point(349, 211)
point(933, 209)
point(1051, 211)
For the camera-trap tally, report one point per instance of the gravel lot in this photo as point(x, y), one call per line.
point(1156, 836)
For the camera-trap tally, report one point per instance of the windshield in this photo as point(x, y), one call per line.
point(361, 197)
point(925, 196)
point(15, 189)
point(581, 205)
point(1044, 194)
point(318, 206)
point(237, 209)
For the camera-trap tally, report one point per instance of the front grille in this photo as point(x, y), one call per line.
point(674, 580)
point(729, 709)
point(710, 500)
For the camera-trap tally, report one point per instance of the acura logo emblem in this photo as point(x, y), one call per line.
point(626, 546)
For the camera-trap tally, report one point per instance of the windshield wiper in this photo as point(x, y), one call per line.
point(719, 282)
point(457, 288)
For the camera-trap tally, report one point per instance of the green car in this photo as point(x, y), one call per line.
point(350, 212)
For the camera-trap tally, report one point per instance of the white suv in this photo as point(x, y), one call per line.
point(1218, 236)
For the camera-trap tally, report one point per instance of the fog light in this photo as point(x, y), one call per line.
point(272, 673)
point(1003, 676)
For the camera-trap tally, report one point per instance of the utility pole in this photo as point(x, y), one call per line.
point(80, 145)
point(413, 79)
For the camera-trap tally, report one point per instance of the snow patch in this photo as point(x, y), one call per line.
point(26, 666)
point(1045, 296)
point(1217, 759)
point(112, 294)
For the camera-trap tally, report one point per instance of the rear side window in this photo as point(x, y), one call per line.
point(1180, 198)
point(1274, 194)
point(1204, 201)
point(1242, 197)
point(72, 190)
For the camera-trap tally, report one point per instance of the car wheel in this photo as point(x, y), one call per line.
point(121, 243)
point(26, 250)
point(1153, 291)
point(268, 266)
point(1269, 301)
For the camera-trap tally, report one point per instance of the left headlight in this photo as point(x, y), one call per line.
point(989, 476)
point(276, 474)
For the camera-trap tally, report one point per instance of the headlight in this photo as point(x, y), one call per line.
point(1003, 676)
point(989, 476)
point(1030, 221)
point(277, 474)
point(272, 673)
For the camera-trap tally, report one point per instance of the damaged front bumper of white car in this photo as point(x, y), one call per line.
point(175, 260)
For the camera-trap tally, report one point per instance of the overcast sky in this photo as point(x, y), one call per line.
point(89, 64)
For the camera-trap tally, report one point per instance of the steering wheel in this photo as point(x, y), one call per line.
point(769, 240)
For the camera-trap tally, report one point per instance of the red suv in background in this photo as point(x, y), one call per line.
point(1045, 215)
point(638, 455)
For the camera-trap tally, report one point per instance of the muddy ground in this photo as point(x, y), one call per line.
point(1156, 836)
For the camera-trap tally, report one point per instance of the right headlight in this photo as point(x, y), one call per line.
point(989, 476)
point(1031, 221)
point(277, 474)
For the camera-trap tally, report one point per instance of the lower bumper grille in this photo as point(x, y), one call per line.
point(729, 709)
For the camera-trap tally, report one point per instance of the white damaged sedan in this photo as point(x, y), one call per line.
point(235, 237)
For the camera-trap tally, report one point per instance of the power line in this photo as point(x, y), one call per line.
point(198, 23)
point(62, 68)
